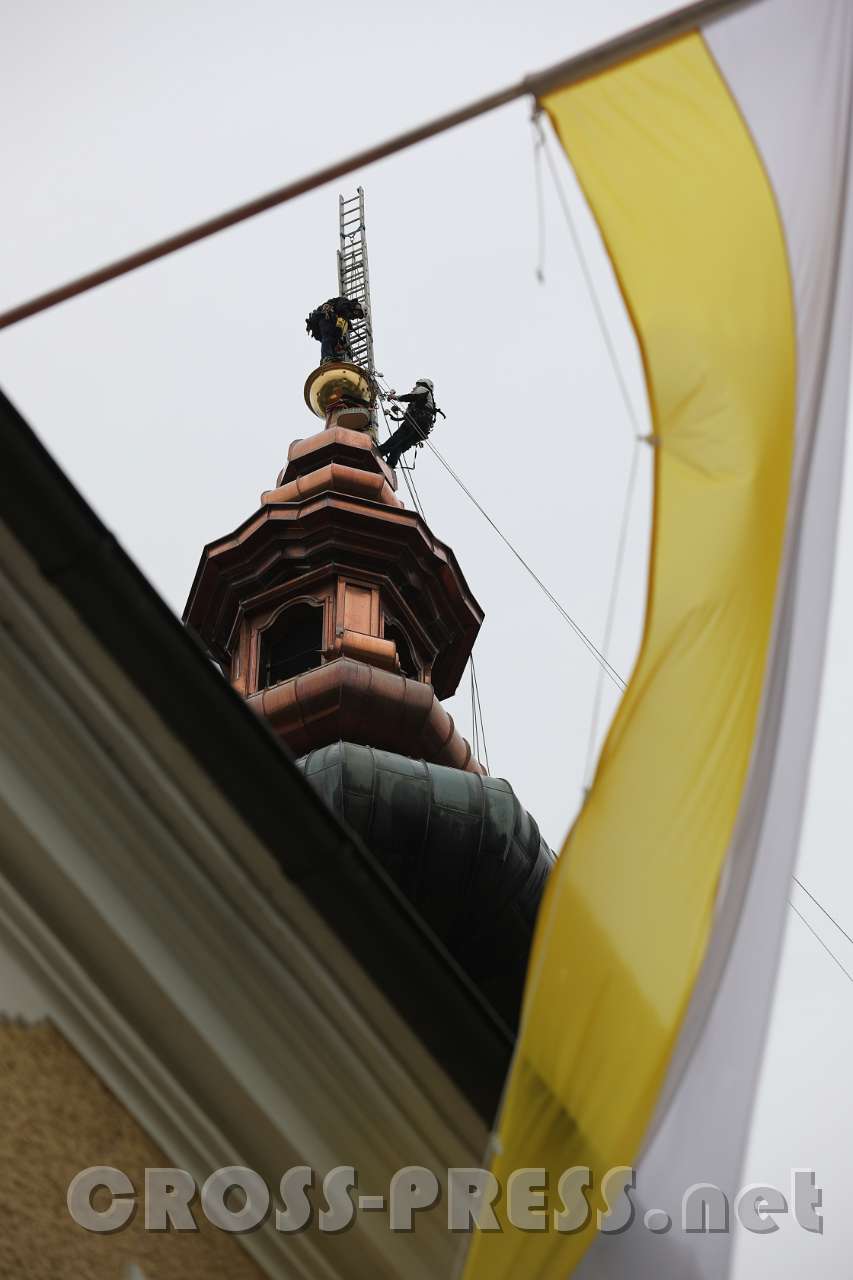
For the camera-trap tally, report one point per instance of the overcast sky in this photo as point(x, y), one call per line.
point(170, 397)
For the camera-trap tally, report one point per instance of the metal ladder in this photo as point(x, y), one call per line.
point(354, 279)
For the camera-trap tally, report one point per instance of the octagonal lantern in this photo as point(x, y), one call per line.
point(336, 612)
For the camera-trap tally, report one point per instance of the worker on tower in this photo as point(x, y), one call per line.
point(417, 422)
point(329, 324)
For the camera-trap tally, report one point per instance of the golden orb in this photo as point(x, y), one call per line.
point(338, 383)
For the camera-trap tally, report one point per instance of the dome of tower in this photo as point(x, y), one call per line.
point(459, 846)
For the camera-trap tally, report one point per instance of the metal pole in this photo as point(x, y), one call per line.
point(539, 83)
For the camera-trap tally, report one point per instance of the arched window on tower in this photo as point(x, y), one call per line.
point(293, 644)
point(408, 665)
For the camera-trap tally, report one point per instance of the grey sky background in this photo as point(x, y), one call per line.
point(170, 397)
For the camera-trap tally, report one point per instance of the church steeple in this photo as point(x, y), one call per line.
point(344, 621)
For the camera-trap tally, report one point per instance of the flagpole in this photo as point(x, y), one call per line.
point(569, 71)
